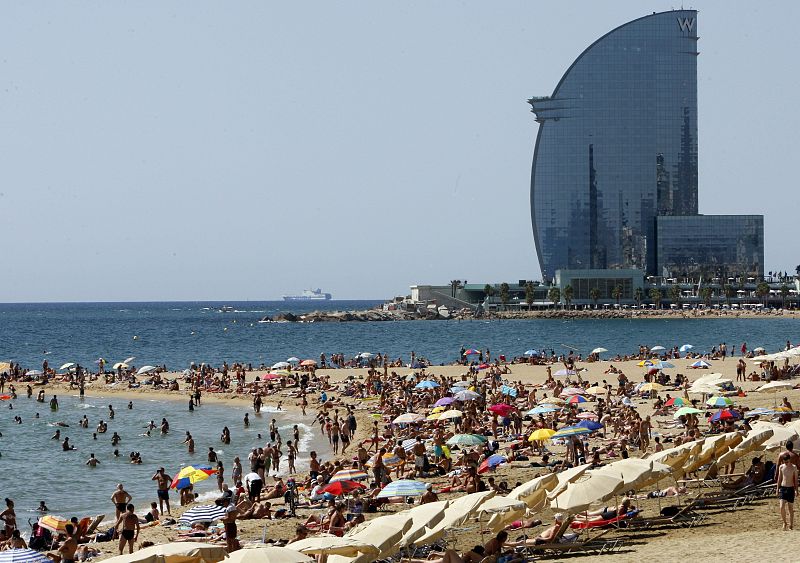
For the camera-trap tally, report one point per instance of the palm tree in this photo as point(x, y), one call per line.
point(529, 294)
point(569, 293)
point(594, 294)
point(488, 290)
point(784, 294)
point(504, 293)
point(638, 296)
point(762, 290)
point(730, 293)
point(655, 296)
point(675, 294)
point(616, 293)
point(454, 285)
point(706, 293)
point(554, 295)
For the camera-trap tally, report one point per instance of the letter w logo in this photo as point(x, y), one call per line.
point(687, 24)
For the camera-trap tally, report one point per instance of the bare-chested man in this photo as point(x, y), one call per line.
point(793, 457)
point(163, 481)
point(120, 498)
point(786, 489)
point(66, 551)
point(130, 529)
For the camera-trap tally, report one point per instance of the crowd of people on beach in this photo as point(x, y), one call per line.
point(448, 432)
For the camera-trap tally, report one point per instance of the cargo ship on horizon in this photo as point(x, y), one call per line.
point(309, 295)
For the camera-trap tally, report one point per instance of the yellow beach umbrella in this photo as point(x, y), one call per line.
point(433, 416)
point(652, 386)
point(541, 434)
point(595, 390)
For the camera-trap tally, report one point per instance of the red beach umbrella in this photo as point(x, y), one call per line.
point(339, 488)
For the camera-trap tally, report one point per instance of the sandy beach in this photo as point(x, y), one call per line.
point(747, 532)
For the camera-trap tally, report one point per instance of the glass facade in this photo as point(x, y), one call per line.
point(617, 145)
point(710, 245)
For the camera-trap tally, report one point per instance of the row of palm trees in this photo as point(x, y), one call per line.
point(674, 293)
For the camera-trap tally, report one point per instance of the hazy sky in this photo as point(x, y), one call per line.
point(242, 150)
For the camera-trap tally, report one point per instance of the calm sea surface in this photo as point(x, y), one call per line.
point(34, 468)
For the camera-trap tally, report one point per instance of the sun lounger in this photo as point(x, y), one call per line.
point(618, 521)
point(685, 517)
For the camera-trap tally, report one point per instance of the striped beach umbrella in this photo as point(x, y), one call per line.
point(466, 440)
point(491, 462)
point(22, 556)
point(403, 488)
point(202, 514)
point(348, 475)
point(472, 352)
point(575, 399)
point(676, 402)
point(56, 524)
point(719, 402)
point(389, 460)
point(590, 425)
point(192, 474)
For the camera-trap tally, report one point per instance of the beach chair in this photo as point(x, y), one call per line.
point(685, 516)
point(595, 544)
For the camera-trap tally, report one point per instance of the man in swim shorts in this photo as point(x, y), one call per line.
point(130, 529)
point(787, 487)
point(163, 481)
point(120, 498)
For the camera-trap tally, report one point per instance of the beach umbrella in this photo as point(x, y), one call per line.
point(422, 516)
point(202, 514)
point(676, 402)
point(663, 365)
point(293, 360)
point(726, 414)
point(502, 409)
point(544, 409)
point(68, 365)
point(566, 477)
point(366, 355)
point(685, 347)
point(775, 386)
point(587, 415)
point(719, 401)
point(385, 533)
point(5, 397)
point(779, 434)
point(633, 471)
point(576, 399)
point(403, 488)
point(434, 415)
point(33, 372)
point(267, 554)
point(427, 384)
point(339, 488)
point(120, 365)
point(705, 389)
point(453, 413)
point(657, 349)
point(56, 524)
point(348, 475)
point(541, 434)
point(563, 372)
point(645, 363)
point(599, 350)
point(456, 514)
point(176, 552)
point(467, 395)
point(572, 391)
point(595, 390)
point(192, 474)
point(509, 391)
point(552, 401)
point(758, 412)
point(501, 511)
point(23, 555)
point(683, 411)
point(466, 440)
point(491, 462)
point(281, 365)
point(146, 369)
point(569, 431)
point(329, 544)
point(700, 364)
point(532, 352)
point(389, 460)
point(472, 352)
point(444, 401)
point(308, 363)
point(589, 425)
point(579, 495)
point(129, 360)
point(408, 418)
point(534, 492)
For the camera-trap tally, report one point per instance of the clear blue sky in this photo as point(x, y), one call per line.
point(206, 150)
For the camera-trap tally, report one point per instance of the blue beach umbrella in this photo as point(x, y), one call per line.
point(403, 488)
point(569, 431)
point(491, 462)
point(726, 414)
point(427, 384)
point(662, 365)
point(685, 347)
point(532, 352)
point(202, 514)
point(700, 364)
point(590, 425)
point(544, 409)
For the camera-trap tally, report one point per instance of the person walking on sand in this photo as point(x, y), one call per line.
point(786, 489)
point(163, 481)
point(130, 529)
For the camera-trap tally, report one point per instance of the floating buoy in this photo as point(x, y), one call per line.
point(225, 329)
point(135, 337)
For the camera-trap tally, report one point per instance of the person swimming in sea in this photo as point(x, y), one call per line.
point(66, 446)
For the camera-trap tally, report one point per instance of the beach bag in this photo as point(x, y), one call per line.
point(670, 511)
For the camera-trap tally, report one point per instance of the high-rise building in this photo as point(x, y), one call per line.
point(617, 147)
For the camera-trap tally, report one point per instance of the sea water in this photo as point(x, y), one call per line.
point(177, 334)
point(34, 467)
